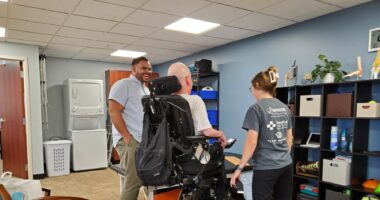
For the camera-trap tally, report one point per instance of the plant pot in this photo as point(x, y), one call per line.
point(329, 78)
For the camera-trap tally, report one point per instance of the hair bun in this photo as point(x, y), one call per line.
point(273, 74)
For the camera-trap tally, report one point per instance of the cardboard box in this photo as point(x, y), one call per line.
point(339, 105)
point(368, 110)
point(338, 172)
point(310, 105)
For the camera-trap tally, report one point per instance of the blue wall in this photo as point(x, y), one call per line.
point(341, 36)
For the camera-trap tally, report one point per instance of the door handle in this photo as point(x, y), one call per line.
point(1, 121)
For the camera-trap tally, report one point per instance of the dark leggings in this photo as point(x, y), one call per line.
point(275, 183)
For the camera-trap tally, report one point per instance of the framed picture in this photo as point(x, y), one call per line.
point(374, 40)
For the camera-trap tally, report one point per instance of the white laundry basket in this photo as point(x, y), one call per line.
point(57, 155)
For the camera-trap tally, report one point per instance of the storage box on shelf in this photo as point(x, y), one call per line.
point(213, 117)
point(310, 105)
point(337, 172)
point(368, 110)
point(330, 194)
point(339, 105)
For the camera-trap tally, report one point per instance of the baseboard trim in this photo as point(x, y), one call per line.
point(39, 176)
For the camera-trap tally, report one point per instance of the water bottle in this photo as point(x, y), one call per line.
point(334, 138)
point(343, 140)
point(349, 135)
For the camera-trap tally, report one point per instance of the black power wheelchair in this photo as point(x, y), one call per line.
point(171, 153)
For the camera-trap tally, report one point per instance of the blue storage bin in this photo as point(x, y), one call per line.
point(213, 116)
point(208, 94)
point(193, 92)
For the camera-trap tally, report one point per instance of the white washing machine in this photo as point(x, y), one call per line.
point(89, 149)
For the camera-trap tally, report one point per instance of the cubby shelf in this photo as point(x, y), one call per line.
point(363, 130)
point(366, 154)
point(305, 177)
point(208, 79)
point(338, 152)
point(302, 147)
point(357, 188)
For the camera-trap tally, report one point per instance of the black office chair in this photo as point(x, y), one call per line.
point(196, 163)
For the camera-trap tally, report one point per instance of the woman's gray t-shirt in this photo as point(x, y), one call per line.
point(271, 119)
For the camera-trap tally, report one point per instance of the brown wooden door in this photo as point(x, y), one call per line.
point(13, 132)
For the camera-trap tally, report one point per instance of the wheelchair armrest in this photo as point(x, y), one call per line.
point(196, 138)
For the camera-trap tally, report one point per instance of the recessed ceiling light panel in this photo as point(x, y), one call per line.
point(128, 54)
point(2, 32)
point(189, 25)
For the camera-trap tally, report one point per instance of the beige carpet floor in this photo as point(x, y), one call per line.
point(100, 184)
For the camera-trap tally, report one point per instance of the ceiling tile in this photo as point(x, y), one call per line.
point(97, 51)
point(257, 22)
point(290, 9)
point(161, 58)
point(89, 23)
point(70, 41)
point(102, 10)
point(158, 51)
point(89, 56)
point(175, 7)
point(66, 6)
point(218, 13)
point(117, 38)
point(149, 18)
point(61, 47)
point(3, 21)
point(3, 9)
point(116, 59)
point(277, 26)
point(156, 61)
point(169, 45)
point(106, 45)
point(346, 3)
point(21, 25)
point(21, 35)
point(231, 33)
point(131, 3)
point(79, 33)
point(170, 35)
point(58, 54)
point(37, 15)
point(253, 5)
point(204, 40)
point(57, 50)
point(134, 30)
point(41, 44)
point(310, 15)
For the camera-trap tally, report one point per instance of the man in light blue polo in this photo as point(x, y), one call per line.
point(126, 112)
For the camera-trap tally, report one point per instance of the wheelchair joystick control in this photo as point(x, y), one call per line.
point(230, 143)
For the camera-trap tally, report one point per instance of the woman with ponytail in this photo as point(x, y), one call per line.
point(269, 141)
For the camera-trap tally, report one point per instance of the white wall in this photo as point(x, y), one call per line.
point(31, 53)
point(58, 70)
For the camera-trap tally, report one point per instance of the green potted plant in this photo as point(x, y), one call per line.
point(328, 72)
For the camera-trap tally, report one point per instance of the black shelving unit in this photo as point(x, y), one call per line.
point(362, 129)
point(201, 80)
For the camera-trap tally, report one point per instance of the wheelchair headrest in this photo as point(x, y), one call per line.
point(165, 85)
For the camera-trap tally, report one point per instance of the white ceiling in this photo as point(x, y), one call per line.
point(92, 29)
